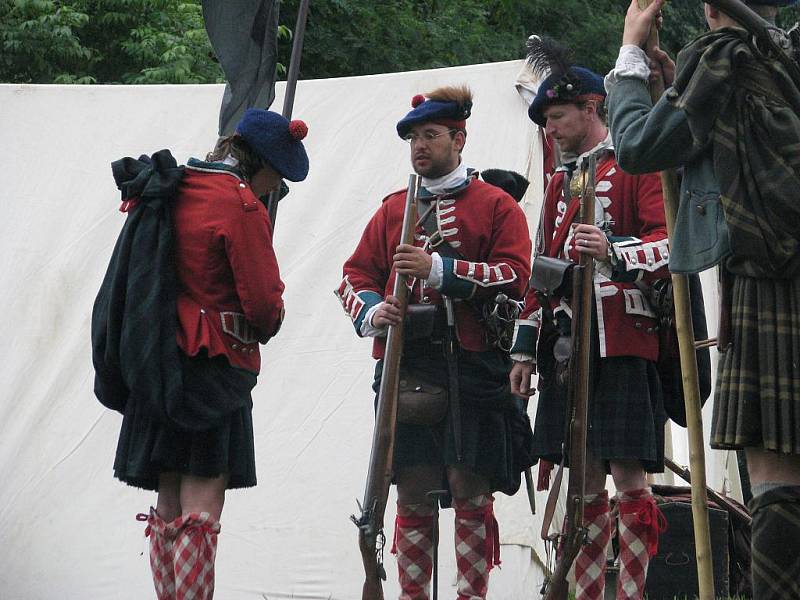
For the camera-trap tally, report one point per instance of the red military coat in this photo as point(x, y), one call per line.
point(481, 221)
point(230, 291)
point(630, 208)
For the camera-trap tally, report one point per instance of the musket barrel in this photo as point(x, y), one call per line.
point(379, 474)
point(582, 290)
point(394, 342)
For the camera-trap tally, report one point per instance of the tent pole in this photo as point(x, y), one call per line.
point(691, 387)
point(291, 87)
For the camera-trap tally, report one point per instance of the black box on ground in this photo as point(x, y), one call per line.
point(673, 571)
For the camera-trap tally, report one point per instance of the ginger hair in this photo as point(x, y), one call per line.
point(460, 94)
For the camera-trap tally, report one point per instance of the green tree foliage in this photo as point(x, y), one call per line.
point(361, 37)
point(358, 37)
point(683, 21)
point(164, 41)
point(788, 17)
point(105, 41)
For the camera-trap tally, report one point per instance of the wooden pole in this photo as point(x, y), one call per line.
point(691, 387)
point(291, 86)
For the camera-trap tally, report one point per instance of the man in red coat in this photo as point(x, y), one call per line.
point(486, 251)
point(628, 241)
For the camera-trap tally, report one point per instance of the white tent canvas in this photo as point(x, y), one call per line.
point(67, 527)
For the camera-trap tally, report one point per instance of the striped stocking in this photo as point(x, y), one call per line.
point(162, 538)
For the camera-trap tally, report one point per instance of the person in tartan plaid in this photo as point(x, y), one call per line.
point(628, 241)
point(194, 444)
point(731, 116)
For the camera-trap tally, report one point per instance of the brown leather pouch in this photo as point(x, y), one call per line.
point(420, 402)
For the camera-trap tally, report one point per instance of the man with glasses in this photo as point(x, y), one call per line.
point(471, 244)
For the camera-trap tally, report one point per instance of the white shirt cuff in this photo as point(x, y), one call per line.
point(367, 328)
point(436, 278)
point(631, 62)
point(521, 357)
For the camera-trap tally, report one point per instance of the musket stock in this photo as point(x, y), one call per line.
point(583, 285)
point(371, 539)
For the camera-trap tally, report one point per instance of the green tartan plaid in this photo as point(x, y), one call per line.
point(775, 544)
point(747, 106)
point(757, 399)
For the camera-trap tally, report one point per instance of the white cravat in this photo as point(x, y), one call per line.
point(453, 179)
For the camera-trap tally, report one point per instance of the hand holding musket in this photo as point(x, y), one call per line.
point(577, 409)
point(371, 539)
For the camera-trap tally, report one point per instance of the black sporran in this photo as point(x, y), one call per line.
point(555, 346)
point(552, 276)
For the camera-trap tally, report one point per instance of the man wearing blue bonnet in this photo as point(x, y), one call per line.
point(628, 244)
point(471, 244)
point(731, 118)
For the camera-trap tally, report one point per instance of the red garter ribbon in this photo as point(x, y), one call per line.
point(411, 521)
point(492, 550)
point(649, 515)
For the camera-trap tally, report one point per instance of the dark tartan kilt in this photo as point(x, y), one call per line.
point(216, 394)
point(757, 399)
point(775, 543)
point(496, 433)
point(626, 414)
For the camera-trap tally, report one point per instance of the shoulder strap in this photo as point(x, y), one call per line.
point(428, 222)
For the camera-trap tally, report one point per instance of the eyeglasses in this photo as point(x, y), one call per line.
point(427, 137)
